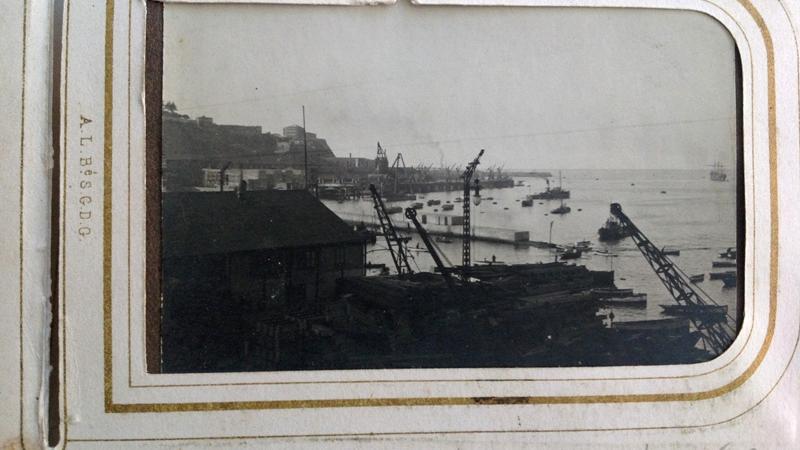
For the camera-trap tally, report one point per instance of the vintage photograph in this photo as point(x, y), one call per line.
point(437, 187)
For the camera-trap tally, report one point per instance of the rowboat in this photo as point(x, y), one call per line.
point(635, 300)
point(721, 275)
point(612, 292)
point(723, 264)
point(694, 310)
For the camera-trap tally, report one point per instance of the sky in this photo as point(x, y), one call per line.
point(571, 88)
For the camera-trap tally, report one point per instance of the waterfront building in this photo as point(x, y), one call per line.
point(239, 267)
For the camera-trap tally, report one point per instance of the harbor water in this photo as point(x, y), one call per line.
point(677, 209)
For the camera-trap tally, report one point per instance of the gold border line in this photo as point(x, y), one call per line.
point(752, 231)
point(107, 190)
point(111, 407)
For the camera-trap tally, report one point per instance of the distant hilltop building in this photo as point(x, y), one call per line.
point(191, 145)
point(295, 133)
point(186, 138)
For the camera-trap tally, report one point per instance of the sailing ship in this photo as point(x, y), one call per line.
point(551, 194)
point(718, 172)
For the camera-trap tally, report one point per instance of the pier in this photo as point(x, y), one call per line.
point(452, 230)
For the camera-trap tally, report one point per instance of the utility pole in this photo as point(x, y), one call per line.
point(305, 150)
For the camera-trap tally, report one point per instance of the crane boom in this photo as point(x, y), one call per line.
point(393, 241)
point(716, 334)
point(411, 214)
point(466, 234)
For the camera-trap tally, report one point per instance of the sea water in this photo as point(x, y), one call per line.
point(693, 214)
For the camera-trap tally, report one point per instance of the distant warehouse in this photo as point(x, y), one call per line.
point(236, 264)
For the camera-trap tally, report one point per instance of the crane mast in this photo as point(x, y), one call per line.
point(466, 234)
point(411, 214)
point(716, 334)
point(393, 241)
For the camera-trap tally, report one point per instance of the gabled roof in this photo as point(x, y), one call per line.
point(198, 223)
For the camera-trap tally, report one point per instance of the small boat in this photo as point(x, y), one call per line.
point(605, 253)
point(434, 202)
point(527, 203)
point(635, 300)
point(490, 261)
point(563, 209)
point(447, 207)
point(457, 199)
point(697, 278)
point(570, 253)
point(444, 239)
point(730, 253)
point(718, 172)
point(663, 192)
point(584, 245)
point(723, 264)
point(394, 210)
point(721, 275)
point(670, 251)
point(729, 280)
point(417, 205)
point(612, 292)
point(695, 310)
point(489, 198)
